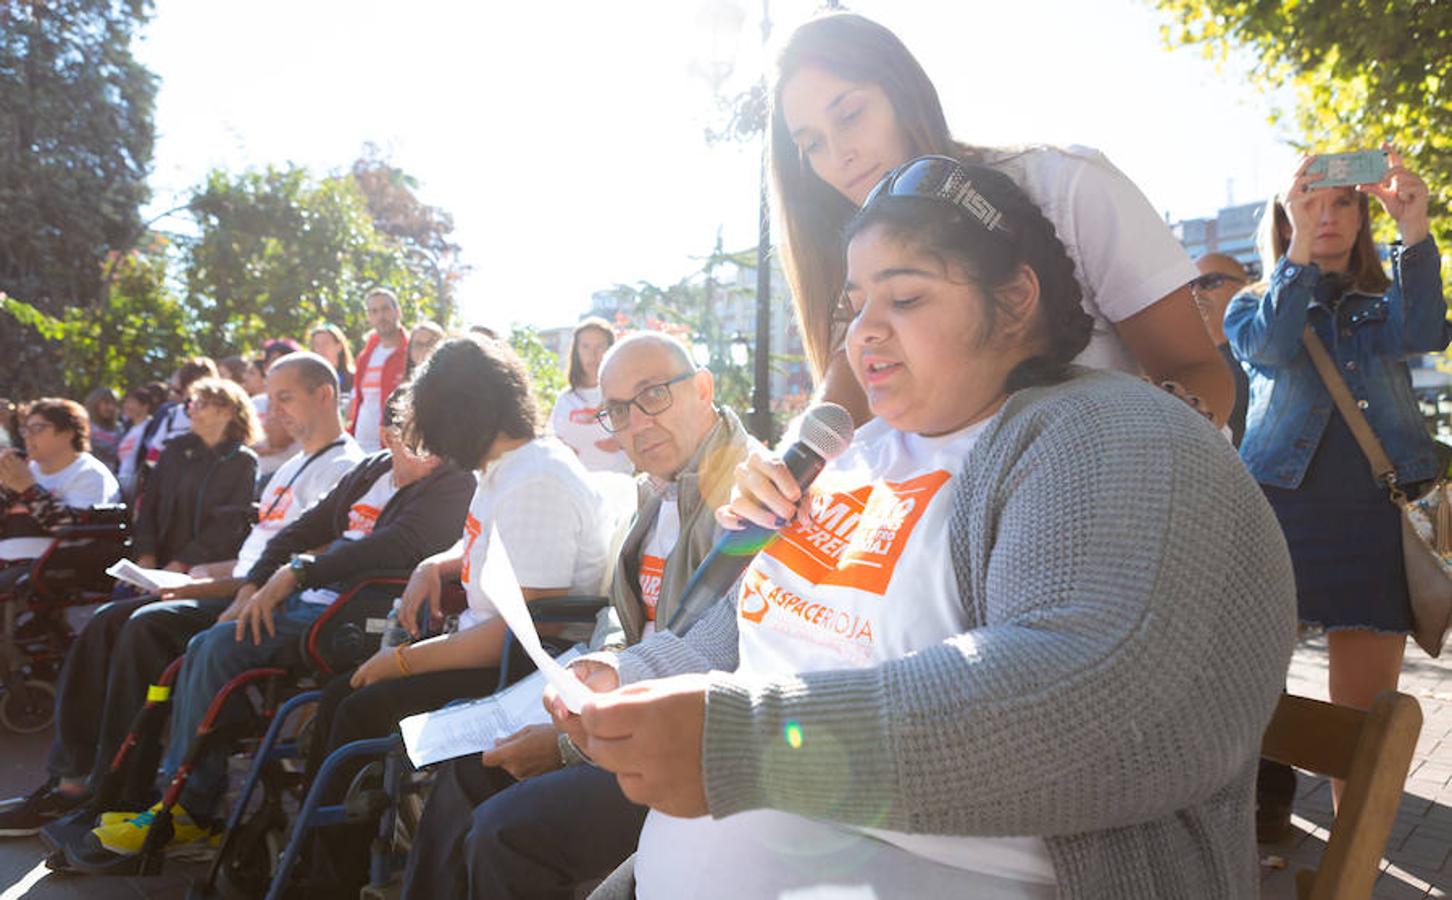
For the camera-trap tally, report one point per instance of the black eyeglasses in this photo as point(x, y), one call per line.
point(615, 415)
point(939, 178)
point(1213, 280)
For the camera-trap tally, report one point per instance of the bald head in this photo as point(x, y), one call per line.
point(663, 442)
point(1221, 277)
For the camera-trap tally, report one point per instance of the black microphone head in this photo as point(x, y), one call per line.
point(826, 430)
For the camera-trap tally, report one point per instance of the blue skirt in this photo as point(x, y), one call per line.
point(1345, 538)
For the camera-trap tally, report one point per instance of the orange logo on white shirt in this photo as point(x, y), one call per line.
point(652, 570)
point(372, 378)
point(275, 510)
point(856, 537)
point(361, 519)
point(585, 415)
point(472, 528)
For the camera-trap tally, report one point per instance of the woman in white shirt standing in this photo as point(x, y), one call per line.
point(573, 419)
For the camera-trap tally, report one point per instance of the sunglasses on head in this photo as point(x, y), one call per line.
point(940, 178)
point(1213, 280)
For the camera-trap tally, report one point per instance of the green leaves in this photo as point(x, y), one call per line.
point(1362, 72)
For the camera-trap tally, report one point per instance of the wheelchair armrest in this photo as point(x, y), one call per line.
point(116, 531)
point(567, 609)
point(329, 652)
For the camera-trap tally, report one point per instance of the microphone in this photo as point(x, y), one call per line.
point(825, 432)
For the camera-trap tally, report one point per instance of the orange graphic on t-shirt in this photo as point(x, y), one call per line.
point(472, 529)
point(759, 594)
point(275, 509)
point(362, 517)
point(372, 378)
point(856, 537)
point(652, 570)
point(583, 416)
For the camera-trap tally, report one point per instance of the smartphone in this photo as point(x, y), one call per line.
point(1342, 169)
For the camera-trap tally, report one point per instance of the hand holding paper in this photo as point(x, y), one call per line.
point(503, 589)
point(150, 580)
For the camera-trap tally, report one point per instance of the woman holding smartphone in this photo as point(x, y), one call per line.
point(1344, 534)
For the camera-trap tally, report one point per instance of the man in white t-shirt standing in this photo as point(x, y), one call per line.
point(561, 822)
point(380, 366)
point(125, 646)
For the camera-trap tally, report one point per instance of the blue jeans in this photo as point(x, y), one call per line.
point(214, 657)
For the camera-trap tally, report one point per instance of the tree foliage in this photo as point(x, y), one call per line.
point(421, 230)
point(545, 374)
point(75, 147)
point(1362, 72)
point(279, 250)
point(693, 309)
point(137, 336)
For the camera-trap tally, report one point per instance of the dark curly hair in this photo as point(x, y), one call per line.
point(471, 391)
point(63, 415)
point(947, 231)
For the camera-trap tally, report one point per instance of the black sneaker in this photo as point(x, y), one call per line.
point(25, 817)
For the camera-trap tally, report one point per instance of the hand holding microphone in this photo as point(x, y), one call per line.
point(752, 519)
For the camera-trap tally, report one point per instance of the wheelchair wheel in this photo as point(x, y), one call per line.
point(27, 706)
point(252, 857)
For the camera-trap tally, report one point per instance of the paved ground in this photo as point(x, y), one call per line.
point(1418, 860)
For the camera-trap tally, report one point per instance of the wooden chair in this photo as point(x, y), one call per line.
point(1371, 751)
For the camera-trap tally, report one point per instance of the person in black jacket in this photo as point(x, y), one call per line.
point(391, 511)
point(197, 505)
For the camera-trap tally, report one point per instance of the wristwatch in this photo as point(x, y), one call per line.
point(301, 565)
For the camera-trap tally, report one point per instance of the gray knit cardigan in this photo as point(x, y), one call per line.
point(1132, 613)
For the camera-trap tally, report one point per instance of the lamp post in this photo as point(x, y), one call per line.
point(760, 416)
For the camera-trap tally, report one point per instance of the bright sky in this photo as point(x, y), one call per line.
point(566, 138)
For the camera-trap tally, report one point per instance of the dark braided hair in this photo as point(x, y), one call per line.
point(943, 229)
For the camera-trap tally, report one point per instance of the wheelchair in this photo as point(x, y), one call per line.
point(345, 634)
point(387, 790)
point(35, 632)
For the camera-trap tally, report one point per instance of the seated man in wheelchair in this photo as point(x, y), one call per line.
point(390, 511)
point(473, 403)
point(53, 488)
point(127, 644)
point(527, 818)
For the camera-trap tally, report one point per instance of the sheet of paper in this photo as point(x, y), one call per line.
point(475, 726)
point(503, 591)
point(148, 579)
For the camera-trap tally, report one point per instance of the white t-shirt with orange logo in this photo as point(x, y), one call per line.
point(551, 520)
point(573, 422)
point(370, 400)
point(362, 516)
point(654, 553)
point(870, 581)
point(289, 493)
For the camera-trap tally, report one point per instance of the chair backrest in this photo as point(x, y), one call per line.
point(1371, 751)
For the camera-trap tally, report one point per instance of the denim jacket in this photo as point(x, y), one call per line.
point(1369, 338)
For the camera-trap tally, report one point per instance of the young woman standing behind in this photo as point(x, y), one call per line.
point(850, 102)
point(573, 418)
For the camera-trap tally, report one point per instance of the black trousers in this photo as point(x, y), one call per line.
point(484, 834)
point(121, 650)
point(338, 855)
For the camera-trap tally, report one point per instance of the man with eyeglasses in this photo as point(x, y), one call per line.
point(528, 818)
point(1221, 278)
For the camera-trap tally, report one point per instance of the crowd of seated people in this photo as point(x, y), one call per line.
point(978, 656)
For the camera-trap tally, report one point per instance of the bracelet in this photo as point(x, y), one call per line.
point(398, 658)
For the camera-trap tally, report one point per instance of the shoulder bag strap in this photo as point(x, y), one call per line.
point(1381, 465)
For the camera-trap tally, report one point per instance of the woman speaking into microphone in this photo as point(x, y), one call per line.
point(987, 664)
